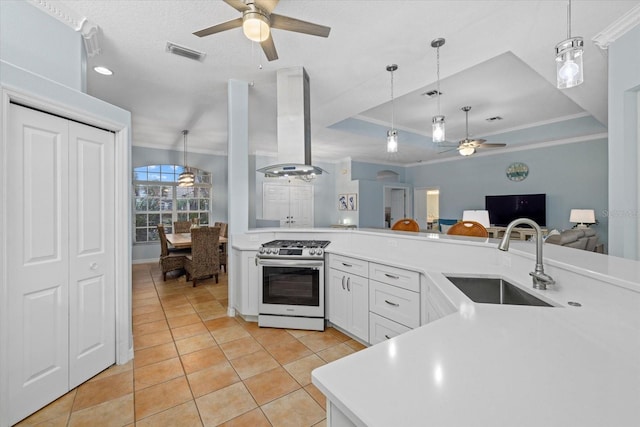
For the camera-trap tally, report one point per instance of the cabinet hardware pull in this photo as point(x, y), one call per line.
point(256, 260)
point(343, 282)
point(348, 281)
point(392, 303)
point(387, 336)
point(347, 265)
point(391, 276)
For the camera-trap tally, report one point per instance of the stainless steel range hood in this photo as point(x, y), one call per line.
point(294, 126)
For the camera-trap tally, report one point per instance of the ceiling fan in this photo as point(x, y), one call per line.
point(257, 21)
point(467, 146)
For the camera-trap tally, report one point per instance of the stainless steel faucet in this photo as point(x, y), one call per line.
point(540, 279)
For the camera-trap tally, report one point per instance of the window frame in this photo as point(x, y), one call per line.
point(163, 191)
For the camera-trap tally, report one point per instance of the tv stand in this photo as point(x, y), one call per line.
point(518, 233)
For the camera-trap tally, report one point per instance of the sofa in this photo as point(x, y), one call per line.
point(579, 238)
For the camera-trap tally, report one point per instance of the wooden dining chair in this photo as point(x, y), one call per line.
point(170, 258)
point(406, 224)
point(181, 226)
point(468, 228)
point(204, 260)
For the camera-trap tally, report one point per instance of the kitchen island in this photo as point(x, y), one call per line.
point(488, 364)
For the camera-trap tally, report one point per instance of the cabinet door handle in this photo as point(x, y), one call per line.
point(343, 282)
point(256, 260)
point(392, 303)
point(387, 336)
point(347, 265)
point(348, 281)
point(391, 276)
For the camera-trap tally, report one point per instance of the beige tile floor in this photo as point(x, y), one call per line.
point(194, 366)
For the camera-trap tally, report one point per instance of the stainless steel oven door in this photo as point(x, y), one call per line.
point(292, 287)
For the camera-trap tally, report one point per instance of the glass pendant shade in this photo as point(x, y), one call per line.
point(255, 26)
point(186, 179)
point(392, 141)
point(569, 63)
point(438, 129)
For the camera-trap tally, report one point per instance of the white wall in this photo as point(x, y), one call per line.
point(624, 85)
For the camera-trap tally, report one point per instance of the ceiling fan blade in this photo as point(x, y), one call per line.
point(235, 23)
point(269, 49)
point(238, 5)
point(491, 145)
point(266, 5)
point(291, 24)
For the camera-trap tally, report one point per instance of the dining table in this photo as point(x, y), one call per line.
point(183, 240)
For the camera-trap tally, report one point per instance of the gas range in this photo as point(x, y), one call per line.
point(293, 249)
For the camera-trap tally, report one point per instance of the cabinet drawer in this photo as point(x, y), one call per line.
point(382, 329)
point(406, 279)
point(397, 304)
point(349, 265)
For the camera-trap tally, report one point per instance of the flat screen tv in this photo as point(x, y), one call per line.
point(505, 208)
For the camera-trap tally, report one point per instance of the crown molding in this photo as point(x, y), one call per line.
point(617, 29)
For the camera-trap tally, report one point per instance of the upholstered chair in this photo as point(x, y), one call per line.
point(181, 226)
point(204, 260)
point(223, 246)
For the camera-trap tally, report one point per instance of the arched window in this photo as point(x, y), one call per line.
point(157, 198)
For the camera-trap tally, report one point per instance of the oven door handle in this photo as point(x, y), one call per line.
point(290, 263)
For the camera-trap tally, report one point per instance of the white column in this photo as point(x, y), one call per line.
point(238, 169)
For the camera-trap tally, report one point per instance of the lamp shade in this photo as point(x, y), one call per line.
point(582, 216)
point(479, 216)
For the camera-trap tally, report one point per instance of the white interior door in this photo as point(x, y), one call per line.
point(398, 210)
point(37, 260)
point(301, 206)
point(61, 262)
point(275, 203)
point(420, 207)
point(91, 249)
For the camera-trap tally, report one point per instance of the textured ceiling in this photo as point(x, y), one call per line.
point(498, 58)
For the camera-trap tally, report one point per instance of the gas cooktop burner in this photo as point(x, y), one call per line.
point(296, 244)
point(300, 249)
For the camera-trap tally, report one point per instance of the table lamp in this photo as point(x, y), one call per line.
point(582, 217)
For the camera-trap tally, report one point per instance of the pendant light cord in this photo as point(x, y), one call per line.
point(569, 20)
point(438, 75)
point(184, 133)
point(392, 104)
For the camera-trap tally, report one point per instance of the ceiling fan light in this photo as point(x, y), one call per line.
point(438, 129)
point(467, 151)
point(255, 26)
point(392, 141)
point(569, 63)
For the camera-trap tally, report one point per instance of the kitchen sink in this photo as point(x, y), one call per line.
point(494, 291)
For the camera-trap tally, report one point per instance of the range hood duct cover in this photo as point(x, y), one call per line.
point(294, 126)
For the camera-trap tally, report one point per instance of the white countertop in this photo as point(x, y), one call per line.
point(493, 366)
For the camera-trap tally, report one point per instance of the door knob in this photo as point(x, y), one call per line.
point(93, 266)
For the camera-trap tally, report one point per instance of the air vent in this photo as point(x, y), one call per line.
point(186, 52)
point(431, 93)
point(493, 119)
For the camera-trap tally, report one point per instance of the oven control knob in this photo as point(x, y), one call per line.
point(319, 252)
point(261, 250)
point(312, 251)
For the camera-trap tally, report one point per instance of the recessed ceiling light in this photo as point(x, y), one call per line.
point(103, 70)
point(493, 119)
point(431, 94)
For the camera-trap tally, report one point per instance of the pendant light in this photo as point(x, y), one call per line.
point(569, 58)
point(186, 178)
point(438, 121)
point(392, 134)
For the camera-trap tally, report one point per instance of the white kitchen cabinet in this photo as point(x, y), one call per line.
point(382, 329)
point(291, 204)
point(349, 296)
point(247, 282)
point(434, 304)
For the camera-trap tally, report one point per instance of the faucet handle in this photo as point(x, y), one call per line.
point(541, 280)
